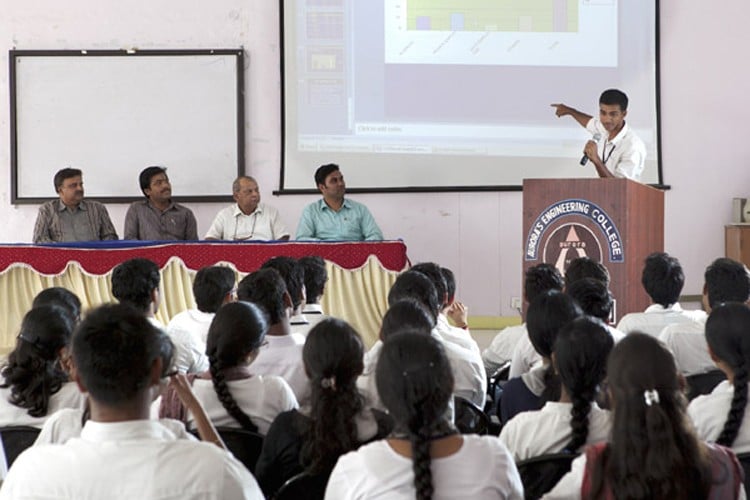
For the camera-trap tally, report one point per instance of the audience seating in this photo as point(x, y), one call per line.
point(744, 459)
point(244, 445)
point(703, 383)
point(16, 439)
point(540, 474)
point(469, 418)
point(304, 486)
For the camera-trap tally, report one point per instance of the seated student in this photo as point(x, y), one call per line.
point(61, 297)
point(653, 451)
point(586, 267)
point(35, 377)
point(595, 300)
point(312, 438)
point(230, 394)
point(726, 280)
point(281, 354)
point(316, 277)
point(546, 315)
point(722, 417)
point(294, 278)
point(663, 279)
point(580, 359)
point(425, 456)
point(121, 454)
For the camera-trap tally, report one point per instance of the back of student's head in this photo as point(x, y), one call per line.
point(416, 286)
point(585, 267)
point(316, 277)
point(546, 315)
point(293, 276)
point(435, 274)
point(211, 287)
point(32, 371)
point(267, 289)
point(728, 336)
point(580, 356)
point(407, 314)
point(653, 450)
point(134, 281)
point(61, 297)
point(541, 278)
point(450, 284)
point(593, 297)
point(236, 332)
point(415, 383)
point(114, 351)
point(662, 278)
point(726, 281)
point(332, 355)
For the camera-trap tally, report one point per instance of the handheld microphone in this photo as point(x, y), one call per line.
point(595, 138)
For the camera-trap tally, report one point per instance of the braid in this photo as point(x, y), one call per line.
point(579, 422)
point(737, 410)
point(421, 461)
point(225, 397)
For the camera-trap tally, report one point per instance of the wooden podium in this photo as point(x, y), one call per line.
point(618, 222)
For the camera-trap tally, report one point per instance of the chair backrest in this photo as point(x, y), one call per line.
point(469, 418)
point(540, 474)
point(16, 439)
point(304, 486)
point(703, 383)
point(744, 459)
point(244, 445)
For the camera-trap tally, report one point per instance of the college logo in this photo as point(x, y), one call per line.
point(568, 242)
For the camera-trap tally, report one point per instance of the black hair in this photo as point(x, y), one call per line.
point(65, 173)
point(316, 276)
point(541, 278)
point(211, 286)
point(415, 383)
point(450, 283)
point(593, 297)
point(237, 330)
point(33, 372)
point(586, 267)
point(332, 355)
point(144, 179)
point(266, 288)
point(407, 314)
point(61, 297)
point(292, 273)
point(728, 336)
point(662, 278)
point(612, 97)
point(581, 351)
point(134, 280)
point(114, 349)
point(324, 171)
point(433, 271)
point(727, 281)
point(653, 451)
point(416, 286)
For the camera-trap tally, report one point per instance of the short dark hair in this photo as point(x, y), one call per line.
point(593, 296)
point(114, 349)
point(65, 173)
point(406, 315)
point(611, 97)
point(61, 297)
point(727, 281)
point(586, 267)
point(324, 171)
point(146, 174)
point(134, 280)
point(415, 285)
point(316, 276)
point(211, 286)
point(433, 271)
point(293, 275)
point(266, 288)
point(662, 278)
point(450, 283)
point(541, 278)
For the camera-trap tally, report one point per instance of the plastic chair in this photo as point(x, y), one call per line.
point(469, 418)
point(304, 486)
point(540, 474)
point(703, 383)
point(16, 439)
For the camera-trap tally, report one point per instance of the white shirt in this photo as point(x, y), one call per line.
point(524, 357)
point(470, 379)
point(263, 224)
point(455, 335)
point(191, 322)
point(533, 433)
point(709, 413)
point(282, 356)
point(625, 155)
point(299, 324)
point(653, 320)
point(481, 469)
point(125, 460)
point(261, 397)
point(500, 351)
point(687, 341)
point(67, 397)
point(314, 315)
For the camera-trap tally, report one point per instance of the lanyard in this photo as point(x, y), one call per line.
point(604, 150)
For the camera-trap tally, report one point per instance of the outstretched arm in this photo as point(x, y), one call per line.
point(563, 110)
point(206, 429)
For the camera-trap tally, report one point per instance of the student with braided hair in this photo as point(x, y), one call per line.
point(580, 359)
point(425, 457)
point(722, 415)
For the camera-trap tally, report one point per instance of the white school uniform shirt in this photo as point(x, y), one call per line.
point(524, 357)
point(232, 224)
point(481, 469)
point(126, 460)
point(470, 378)
point(687, 341)
point(500, 351)
point(366, 381)
point(67, 397)
point(455, 335)
point(709, 413)
point(625, 155)
point(192, 322)
point(299, 324)
point(314, 315)
point(282, 356)
point(653, 320)
point(533, 433)
point(260, 397)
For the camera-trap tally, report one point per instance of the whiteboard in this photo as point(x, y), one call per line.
point(114, 113)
